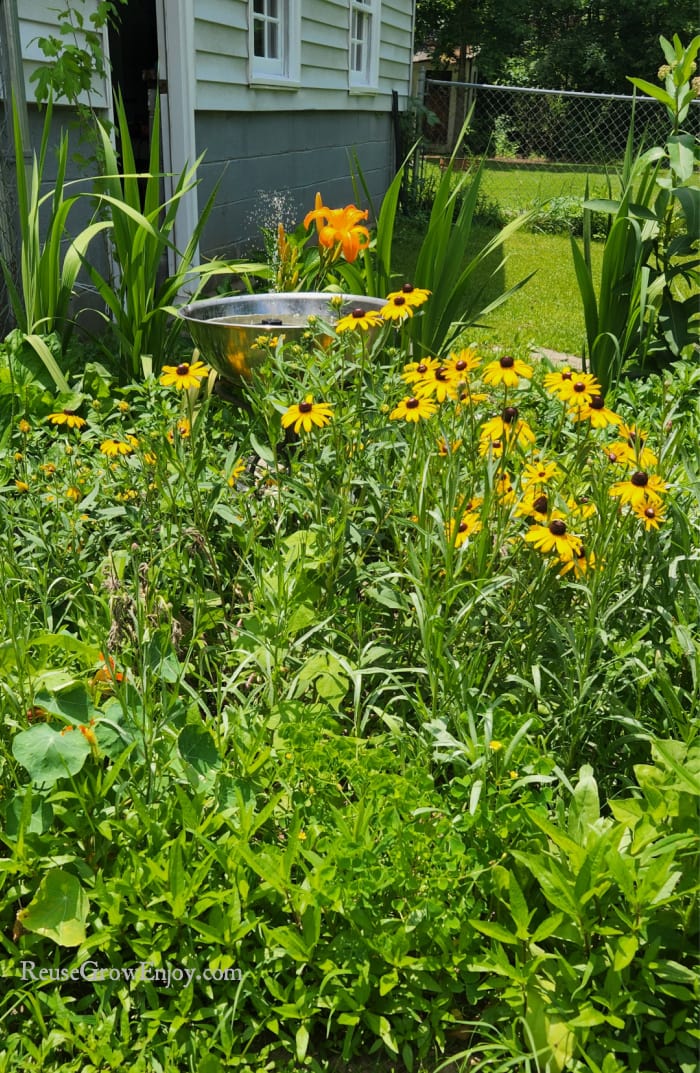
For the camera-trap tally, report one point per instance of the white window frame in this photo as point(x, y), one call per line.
point(284, 68)
point(363, 68)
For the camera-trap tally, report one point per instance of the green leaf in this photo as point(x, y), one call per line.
point(301, 1041)
point(58, 910)
point(625, 948)
point(495, 931)
point(177, 880)
point(71, 702)
point(681, 152)
point(49, 755)
point(584, 810)
point(200, 755)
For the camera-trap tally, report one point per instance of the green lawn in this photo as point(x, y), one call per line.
point(546, 313)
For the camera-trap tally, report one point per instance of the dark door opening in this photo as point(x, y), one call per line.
point(133, 49)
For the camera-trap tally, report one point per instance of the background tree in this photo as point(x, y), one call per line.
point(590, 45)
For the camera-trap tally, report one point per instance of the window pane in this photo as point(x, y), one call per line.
point(272, 41)
point(258, 38)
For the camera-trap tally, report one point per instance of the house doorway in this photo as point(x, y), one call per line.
point(133, 50)
point(152, 55)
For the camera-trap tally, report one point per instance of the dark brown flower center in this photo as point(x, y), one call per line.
point(358, 313)
point(579, 386)
point(305, 407)
point(496, 444)
point(183, 368)
point(507, 362)
point(399, 300)
point(567, 375)
point(640, 479)
point(441, 373)
point(422, 368)
point(597, 402)
point(462, 527)
point(408, 288)
point(412, 403)
point(649, 512)
point(557, 527)
point(612, 456)
point(509, 415)
point(460, 365)
point(69, 413)
point(540, 504)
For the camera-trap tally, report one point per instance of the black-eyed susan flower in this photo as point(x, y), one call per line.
point(507, 371)
point(359, 320)
point(581, 563)
point(462, 362)
point(112, 448)
point(504, 489)
point(539, 473)
point(24, 426)
point(492, 448)
point(460, 531)
point(639, 488)
point(596, 412)
point(21, 486)
point(73, 493)
point(183, 428)
point(397, 307)
point(631, 448)
point(418, 370)
point(415, 296)
point(582, 508)
point(554, 537)
point(67, 417)
point(439, 383)
point(579, 391)
point(304, 415)
point(237, 472)
point(534, 504)
point(413, 409)
point(447, 447)
point(467, 397)
point(651, 514)
point(509, 427)
point(553, 381)
point(185, 375)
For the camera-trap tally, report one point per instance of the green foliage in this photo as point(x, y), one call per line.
point(286, 758)
point(646, 307)
point(139, 303)
point(48, 270)
point(601, 903)
point(76, 58)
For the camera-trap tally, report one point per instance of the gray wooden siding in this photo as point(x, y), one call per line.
point(261, 158)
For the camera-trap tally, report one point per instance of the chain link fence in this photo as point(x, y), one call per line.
point(539, 125)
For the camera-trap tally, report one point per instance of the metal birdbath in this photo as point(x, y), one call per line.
point(228, 331)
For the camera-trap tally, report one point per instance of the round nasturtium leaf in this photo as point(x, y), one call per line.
point(49, 755)
point(58, 910)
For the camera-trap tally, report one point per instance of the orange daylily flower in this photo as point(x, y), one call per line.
point(340, 227)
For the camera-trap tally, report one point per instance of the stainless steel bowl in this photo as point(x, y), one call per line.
point(227, 330)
